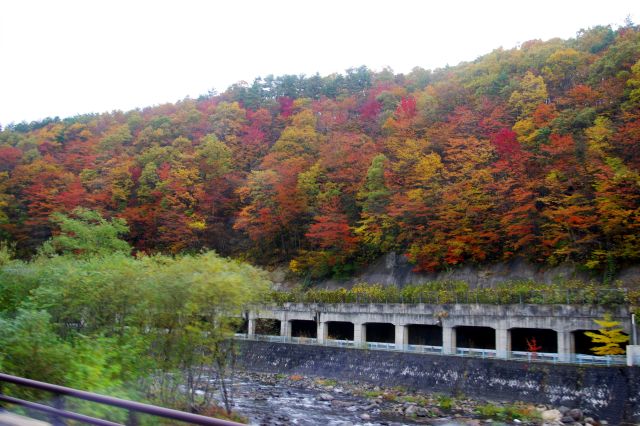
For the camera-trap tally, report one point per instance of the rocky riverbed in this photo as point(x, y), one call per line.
point(272, 399)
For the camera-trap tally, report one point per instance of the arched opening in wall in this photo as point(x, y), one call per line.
point(534, 340)
point(268, 327)
point(340, 330)
point(304, 328)
point(583, 343)
point(242, 325)
point(428, 335)
point(381, 332)
point(475, 337)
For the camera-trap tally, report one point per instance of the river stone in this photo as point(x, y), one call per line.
point(365, 416)
point(340, 404)
point(589, 421)
point(551, 415)
point(564, 410)
point(422, 412)
point(324, 397)
point(576, 414)
point(410, 410)
point(567, 420)
point(414, 410)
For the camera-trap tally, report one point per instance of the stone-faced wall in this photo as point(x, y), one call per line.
point(613, 393)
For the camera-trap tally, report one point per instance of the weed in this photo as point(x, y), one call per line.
point(508, 412)
point(326, 382)
point(445, 402)
point(371, 394)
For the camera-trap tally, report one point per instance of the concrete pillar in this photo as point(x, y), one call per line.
point(448, 340)
point(503, 342)
point(402, 336)
point(251, 326)
point(323, 332)
point(285, 329)
point(633, 355)
point(566, 345)
point(359, 334)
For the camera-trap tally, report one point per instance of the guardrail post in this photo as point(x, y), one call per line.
point(132, 418)
point(58, 403)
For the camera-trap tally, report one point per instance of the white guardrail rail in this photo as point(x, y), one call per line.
point(549, 357)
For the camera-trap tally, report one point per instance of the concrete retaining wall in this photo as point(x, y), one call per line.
point(613, 393)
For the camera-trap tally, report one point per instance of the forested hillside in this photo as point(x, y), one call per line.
point(532, 151)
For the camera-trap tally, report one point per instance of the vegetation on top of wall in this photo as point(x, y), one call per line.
point(446, 292)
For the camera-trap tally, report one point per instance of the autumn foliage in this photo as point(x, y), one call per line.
point(530, 152)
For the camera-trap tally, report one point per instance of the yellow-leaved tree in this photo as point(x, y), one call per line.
point(610, 335)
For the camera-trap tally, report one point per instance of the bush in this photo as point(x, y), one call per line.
point(446, 292)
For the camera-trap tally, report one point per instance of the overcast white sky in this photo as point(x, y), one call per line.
point(67, 57)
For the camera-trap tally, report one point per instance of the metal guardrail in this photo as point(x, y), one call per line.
point(534, 356)
point(58, 414)
point(478, 353)
point(340, 343)
point(548, 357)
point(424, 349)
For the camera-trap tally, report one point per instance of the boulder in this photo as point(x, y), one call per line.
point(422, 412)
point(551, 416)
point(576, 414)
point(415, 411)
point(340, 404)
point(325, 397)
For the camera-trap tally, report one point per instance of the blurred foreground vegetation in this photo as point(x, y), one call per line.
point(85, 313)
